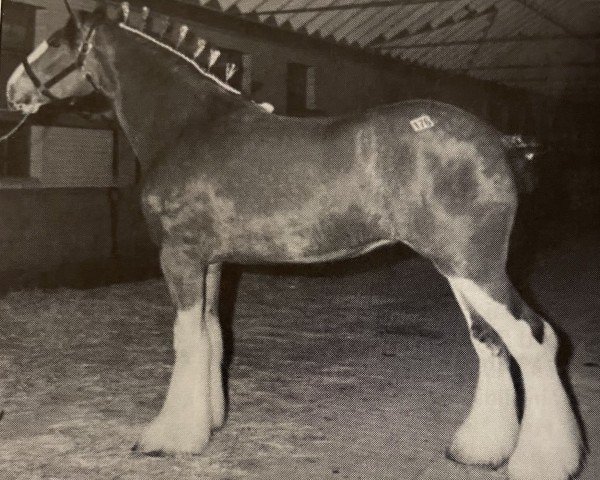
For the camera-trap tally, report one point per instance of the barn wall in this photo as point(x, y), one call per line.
point(47, 235)
point(345, 81)
point(44, 229)
point(36, 232)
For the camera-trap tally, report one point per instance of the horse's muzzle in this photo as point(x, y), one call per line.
point(22, 99)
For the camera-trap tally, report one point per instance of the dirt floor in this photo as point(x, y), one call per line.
point(363, 376)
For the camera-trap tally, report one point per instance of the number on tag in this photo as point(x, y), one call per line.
point(421, 123)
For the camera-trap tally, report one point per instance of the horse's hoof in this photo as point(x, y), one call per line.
point(492, 465)
point(155, 453)
point(152, 453)
point(162, 438)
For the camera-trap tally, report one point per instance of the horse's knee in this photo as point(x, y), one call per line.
point(184, 276)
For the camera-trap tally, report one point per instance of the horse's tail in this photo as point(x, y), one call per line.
point(522, 154)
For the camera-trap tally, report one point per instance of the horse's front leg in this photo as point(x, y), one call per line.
point(217, 394)
point(184, 424)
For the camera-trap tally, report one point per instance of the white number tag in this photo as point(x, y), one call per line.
point(421, 123)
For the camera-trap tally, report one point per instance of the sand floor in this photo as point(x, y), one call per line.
point(362, 376)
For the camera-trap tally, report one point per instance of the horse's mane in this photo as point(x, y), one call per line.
point(181, 55)
point(161, 40)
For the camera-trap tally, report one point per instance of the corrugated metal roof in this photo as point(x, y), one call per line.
point(549, 46)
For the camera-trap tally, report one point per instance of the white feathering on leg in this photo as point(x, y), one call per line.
point(184, 423)
point(489, 434)
point(217, 394)
point(550, 446)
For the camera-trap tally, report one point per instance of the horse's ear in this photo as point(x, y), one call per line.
point(101, 9)
point(100, 13)
point(125, 10)
point(73, 14)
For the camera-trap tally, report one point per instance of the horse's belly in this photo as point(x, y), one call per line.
point(282, 252)
point(338, 222)
point(293, 238)
point(349, 252)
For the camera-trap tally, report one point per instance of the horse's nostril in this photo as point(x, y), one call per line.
point(10, 98)
point(14, 99)
point(11, 95)
point(10, 92)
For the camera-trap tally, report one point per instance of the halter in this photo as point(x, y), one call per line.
point(77, 64)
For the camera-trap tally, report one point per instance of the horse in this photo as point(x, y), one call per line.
point(225, 181)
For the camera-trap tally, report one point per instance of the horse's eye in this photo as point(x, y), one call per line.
point(54, 42)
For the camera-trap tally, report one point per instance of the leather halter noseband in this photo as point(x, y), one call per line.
point(77, 64)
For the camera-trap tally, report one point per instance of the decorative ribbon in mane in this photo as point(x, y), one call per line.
point(174, 51)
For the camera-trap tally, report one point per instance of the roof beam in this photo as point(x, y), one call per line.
point(549, 81)
point(548, 16)
point(524, 66)
point(493, 15)
point(427, 28)
point(494, 41)
point(347, 6)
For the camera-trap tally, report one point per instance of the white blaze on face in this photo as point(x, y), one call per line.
point(19, 75)
point(33, 56)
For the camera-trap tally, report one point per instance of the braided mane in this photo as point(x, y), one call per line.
point(191, 61)
point(183, 31)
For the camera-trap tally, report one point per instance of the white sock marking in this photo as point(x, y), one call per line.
point(489, 433)
point(217, 398)
point(184, 423)
point(549, 445)
point(515, 333)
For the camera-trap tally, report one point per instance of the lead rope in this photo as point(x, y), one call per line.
point(14, 129)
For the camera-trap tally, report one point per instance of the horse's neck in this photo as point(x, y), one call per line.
point(158, 96)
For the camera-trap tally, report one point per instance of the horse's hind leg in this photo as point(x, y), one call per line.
point(185, 420)
point(550, 445)
point(489, 434)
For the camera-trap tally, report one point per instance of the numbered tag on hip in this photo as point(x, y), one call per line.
point(424, 122)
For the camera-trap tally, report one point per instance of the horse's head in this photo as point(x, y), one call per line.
point(58, 68)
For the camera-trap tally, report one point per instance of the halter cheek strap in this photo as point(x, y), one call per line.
point(44, 87)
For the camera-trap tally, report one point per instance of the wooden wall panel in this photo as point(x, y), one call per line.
point(72, 157)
